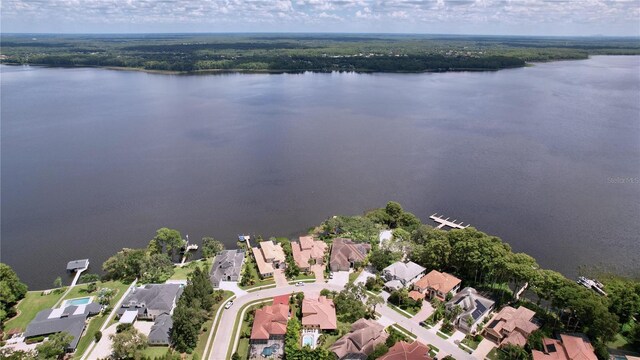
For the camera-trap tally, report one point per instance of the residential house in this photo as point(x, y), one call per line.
point(269, 256)
point(405, 273)
point(319, 314)
point(227, 266)
point(402, 350)
point(308, 251)
point(475, 308)
point(511, 326)
point(70, 319)
point(364, 336)
point(345, 253)
point(270, 323)
point(437, 284)
point(151, 300)
point(160, 333)
point(567, 348)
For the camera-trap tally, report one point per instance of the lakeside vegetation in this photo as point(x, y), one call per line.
point(302, 52)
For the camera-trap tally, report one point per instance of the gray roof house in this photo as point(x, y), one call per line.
point(226, 267)
point(71, 319)
point(406, 273)
point(475, 308)
point(160, 333)
point(151, 300)
point(77, 265)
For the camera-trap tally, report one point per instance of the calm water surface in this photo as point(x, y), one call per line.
point(546, 157)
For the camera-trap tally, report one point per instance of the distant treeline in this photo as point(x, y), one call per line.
point(304, 52)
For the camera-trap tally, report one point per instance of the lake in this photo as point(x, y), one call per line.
point(546, 157)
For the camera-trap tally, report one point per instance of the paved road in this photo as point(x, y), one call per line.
point(222, 338)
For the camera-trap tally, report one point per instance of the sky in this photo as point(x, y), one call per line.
point(493, 17)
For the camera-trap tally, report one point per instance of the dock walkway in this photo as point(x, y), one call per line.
point(445, 222)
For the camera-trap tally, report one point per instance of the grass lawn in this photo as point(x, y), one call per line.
point(406, 332)
point(243, 349)
point(354, 275)
point(181, 273)
point(433, 350)
point(96, 322)
point(204, 336)
point(399, 311)
point(267, 285)
point(471, 342)
point(304, 277)
point(442, 335)
point(28, 307)
point(155, 351)
point(343, 327)
point(493, 354)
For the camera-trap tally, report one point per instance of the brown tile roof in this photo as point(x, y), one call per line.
point(270, 320)
point(404, 351)
point(363, 338)
point(320, 312)
point(416, 295)
point(343, 251)
point(439, 281)
point(516, 323)
point(263, 266)
point(272, 251)
point(568, 348)
point(306, 249)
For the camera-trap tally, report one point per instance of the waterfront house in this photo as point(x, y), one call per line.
point(475, 309)
point(319, 313)
point(151, 300)
point(402, 350)
point(269, 256)
point(567, 348)
point(406, 273)
point(511, 326)
point(308, 251)
point(437, 284)
point(345, 253)
point(227, 266)
point(70, 319)
point(364, 336)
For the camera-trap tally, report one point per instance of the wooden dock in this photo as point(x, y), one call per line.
point(446, 222)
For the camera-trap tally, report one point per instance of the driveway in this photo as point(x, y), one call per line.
point(484, 348)
point(143, 326)
point(340, 278)
point(280, 278)
point(318, 270)
point(364, 275)
point(424, 312)
point(231, 286)
point(103, 347)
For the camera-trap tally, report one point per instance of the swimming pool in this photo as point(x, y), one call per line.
point(308, 340)
point(77, 301)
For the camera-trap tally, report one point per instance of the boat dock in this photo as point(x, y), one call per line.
point(446, 222)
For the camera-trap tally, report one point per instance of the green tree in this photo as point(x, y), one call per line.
point(12, 290)
point(156, 268)
point(89, 278)
point(513, 352)
point(55, 347)
point(381, 258)
point(211, 246)
point(166, 240)
point(128, 344)
point(57, 282)
point(373, 301)
point(124, 265)
point(378, 351)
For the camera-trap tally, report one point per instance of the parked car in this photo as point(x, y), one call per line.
point(299, 283)
point(228, 305)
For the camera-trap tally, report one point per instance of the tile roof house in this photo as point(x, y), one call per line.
point(151, 300)
point(307, 250)
point(71, 319)
point(226, 267)
point(270, 322)
point(269, 256)
point(406, 273)
point(404, 351)
point(364, 336)
point(474, 307)
point(438, 284)
point(160, 333)
point(511, 326)
point(345, 253)
point(319, 313)
point(567, 348)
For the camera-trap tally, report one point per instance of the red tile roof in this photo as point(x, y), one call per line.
point(405, 351)
point(270, 320)
point(282, 299)
point(320, 312)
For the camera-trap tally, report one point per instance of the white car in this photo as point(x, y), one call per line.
point(299, 283)
point(228, 305)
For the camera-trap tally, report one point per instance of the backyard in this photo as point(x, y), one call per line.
point(28, 307)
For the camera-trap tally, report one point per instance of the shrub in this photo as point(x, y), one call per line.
point(97, 335)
